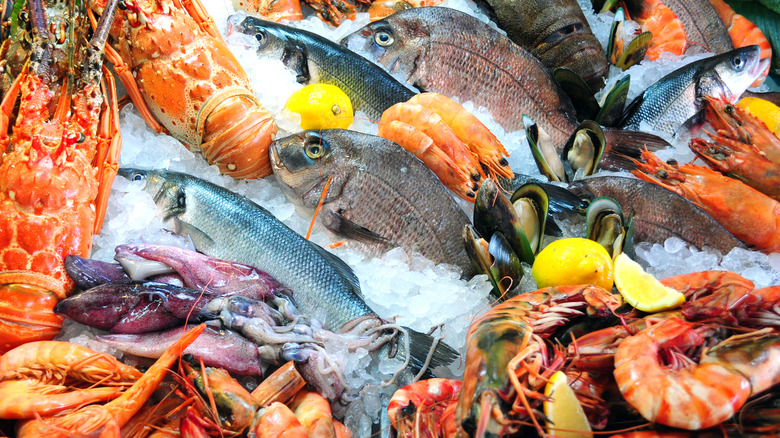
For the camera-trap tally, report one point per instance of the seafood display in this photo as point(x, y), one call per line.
point(410, 275)
point(462, 57)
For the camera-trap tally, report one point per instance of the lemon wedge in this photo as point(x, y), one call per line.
point(566, 418)
point(573, 261)
point(641, 289)
point(321, 106)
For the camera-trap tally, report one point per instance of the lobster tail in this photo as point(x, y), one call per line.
point(239, 149)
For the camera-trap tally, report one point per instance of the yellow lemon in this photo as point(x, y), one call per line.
point(566, 418)
point(573, 261)
point(321, 106)
point(641, 289)
point(765, 110)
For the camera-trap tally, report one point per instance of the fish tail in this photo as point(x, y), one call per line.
point(624, 146)
point(426, 352)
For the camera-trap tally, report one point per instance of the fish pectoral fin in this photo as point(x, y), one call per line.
point(338, 223)
point(297, 61)
point(200, 239)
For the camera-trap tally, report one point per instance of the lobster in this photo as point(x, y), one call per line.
point(184, 81)
point(56, 170)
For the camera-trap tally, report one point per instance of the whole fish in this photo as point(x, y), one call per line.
point(556, 32)
point(380, 195)
point(226, 225)
point(703, 29)
point(676, 101)
point(450, 52)
point(315, 59)
point(659, 214)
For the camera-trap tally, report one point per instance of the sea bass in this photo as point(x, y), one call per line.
point(380, 195)
point(556, 32)
point(676, 101)
point(449, 52)
point(226, 225)
point(315, 59)
point(659, 214)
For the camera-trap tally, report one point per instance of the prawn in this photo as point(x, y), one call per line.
point(106, 420)
point(700, 395)
point(278, 421)
point(419, 409)
point(313, 411)
point(747, 213)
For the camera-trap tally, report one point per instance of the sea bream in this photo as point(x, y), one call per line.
point(315, 60)
point(380, 196)
point(676, 101)
point(450, 52)
point(226, 225)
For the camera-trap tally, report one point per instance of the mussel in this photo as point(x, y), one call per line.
point(608, 226)
point(506, 232)
point(581, 154)
point(497, 259)
point(619, 53)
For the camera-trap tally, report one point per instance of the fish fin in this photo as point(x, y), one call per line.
point(420, 346)
point(624, 145)
point(630, 109)
point(551, 228)
point(335, 221)
point(297, 61)
point(563, 199)
point(342, 268)
point(200, 239)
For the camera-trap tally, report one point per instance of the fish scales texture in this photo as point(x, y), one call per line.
point(379, 186)
point(452, 53)
point(316, 59)
point(660, 214)
point(668, 103)
point(556, 32)
point(229, 226)
point(703, 28)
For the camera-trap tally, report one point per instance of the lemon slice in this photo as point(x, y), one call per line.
point(573, 261)
point(641, 289)
point(764, 110)
point(321, 106)
point(566, 418)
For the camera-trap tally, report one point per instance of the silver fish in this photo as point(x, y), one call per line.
point(315, 59)
point(676, 102)
point(381, 196)
point(226, 225)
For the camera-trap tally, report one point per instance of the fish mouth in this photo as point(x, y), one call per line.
point(759, 67)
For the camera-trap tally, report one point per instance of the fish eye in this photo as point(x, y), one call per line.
point(384, 38)
point(313, 148)
point(262, 38)
point(137, 177)
point(737, 62)
point(181, 200)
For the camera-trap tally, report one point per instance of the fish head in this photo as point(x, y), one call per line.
point(168, 190)
point(274, 41)
point(733, 73)
point(303, 163)
point(394, 42)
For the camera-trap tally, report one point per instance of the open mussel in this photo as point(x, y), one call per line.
point(531, 204)
point(493, 213)
point(497, 259)
point(619, 53)
point(608, 226)
point(581, 154)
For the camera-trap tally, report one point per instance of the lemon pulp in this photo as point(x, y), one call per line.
point(641, 289)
